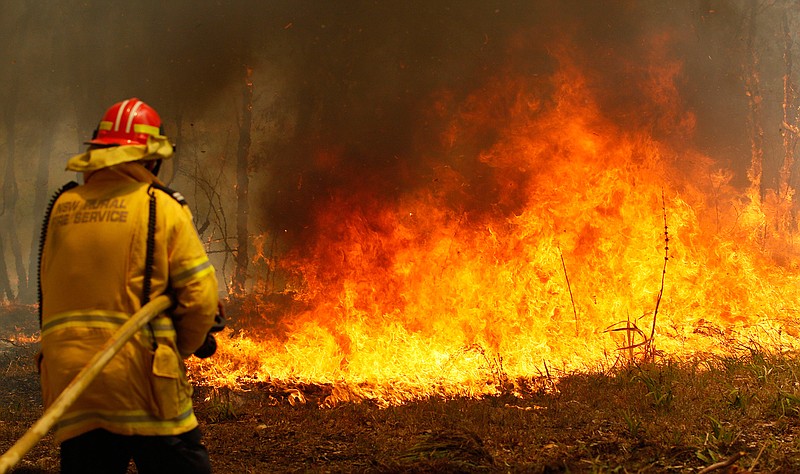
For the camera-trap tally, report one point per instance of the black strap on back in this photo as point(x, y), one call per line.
point(151, 248)
point(151, 244)
point(43, 237)
point(149, 258)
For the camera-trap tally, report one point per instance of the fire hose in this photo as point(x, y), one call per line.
point(85, 377)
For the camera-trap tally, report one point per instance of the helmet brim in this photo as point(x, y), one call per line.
point(111, 141)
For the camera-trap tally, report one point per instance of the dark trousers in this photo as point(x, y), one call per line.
point(102, 452)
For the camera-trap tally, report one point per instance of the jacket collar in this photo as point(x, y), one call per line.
point(129, 171)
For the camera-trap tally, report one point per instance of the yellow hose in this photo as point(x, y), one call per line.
point(82, 380)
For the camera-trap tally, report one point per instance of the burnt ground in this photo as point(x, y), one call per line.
point(664, 418)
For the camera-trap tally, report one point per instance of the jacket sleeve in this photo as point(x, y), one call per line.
point(194, 283)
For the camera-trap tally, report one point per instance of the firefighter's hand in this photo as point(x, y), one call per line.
point(220, 312)
point(219, 320)
point(209, 347)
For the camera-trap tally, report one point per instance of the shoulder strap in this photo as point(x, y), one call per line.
point(171, 192)
point(43, 237)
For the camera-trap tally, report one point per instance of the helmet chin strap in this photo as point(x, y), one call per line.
point(154, 166)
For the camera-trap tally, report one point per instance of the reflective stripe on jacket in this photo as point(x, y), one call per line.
point(92, 274)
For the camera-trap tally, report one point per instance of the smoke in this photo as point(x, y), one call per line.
point(365, 83)
point(347, 92)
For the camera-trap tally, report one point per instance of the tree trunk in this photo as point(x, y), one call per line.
point(10, 189)
point(8, 181)
point(242, 187)
point(790, 128)
point(753, 92)
point(5, 284)
point(176, 157)
point(39, 205)
point(11, 192)
point(10, 197)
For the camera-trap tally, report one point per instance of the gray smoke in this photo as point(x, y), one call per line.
point(344, 90)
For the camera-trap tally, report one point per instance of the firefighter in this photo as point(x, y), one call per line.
point(108, 247)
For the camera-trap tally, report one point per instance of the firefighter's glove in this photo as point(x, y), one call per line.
point(209, 347)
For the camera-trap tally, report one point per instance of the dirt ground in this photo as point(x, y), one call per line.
point(589, 424)
point(259, 431)
point(262, 429)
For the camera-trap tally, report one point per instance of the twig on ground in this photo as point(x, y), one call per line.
point(722, 464)
point(10, 341)
point(650, 349)
point(755, 461)
point(574, 311)
point(549, 379)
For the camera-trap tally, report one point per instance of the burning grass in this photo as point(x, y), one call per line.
point(668, 416)
point(579, 237)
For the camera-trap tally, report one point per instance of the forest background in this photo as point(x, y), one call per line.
point(278, 105)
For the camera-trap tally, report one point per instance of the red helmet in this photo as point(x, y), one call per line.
point(129, 122)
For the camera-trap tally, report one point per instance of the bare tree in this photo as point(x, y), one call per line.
point(39, 204)
point(243, 185)
point(790, 129)
point(10, 191)
point(214, 217)
point(5, 283)
point(752, 84)
point(10, 198)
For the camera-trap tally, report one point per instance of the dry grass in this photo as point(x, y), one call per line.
point(672, 416)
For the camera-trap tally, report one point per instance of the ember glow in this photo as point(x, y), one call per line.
point(441, 293)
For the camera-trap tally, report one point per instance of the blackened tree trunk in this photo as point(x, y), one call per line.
point(754, 97)
point(789, 129)
point(39, 204)
point(10, 191)
point(10, 197)
point(176, 157)
point(5, 284)
point(242, 187)
point(5, 276)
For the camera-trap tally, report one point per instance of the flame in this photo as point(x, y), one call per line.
point(560, 269)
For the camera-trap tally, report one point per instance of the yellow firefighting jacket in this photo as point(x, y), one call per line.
point(92, 274)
